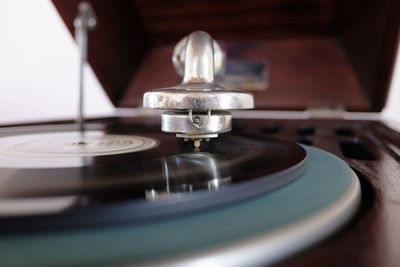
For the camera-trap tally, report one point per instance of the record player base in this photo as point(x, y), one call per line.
point(261, 230)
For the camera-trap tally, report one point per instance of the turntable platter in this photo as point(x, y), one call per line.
point(257, 231)
point(135, 177)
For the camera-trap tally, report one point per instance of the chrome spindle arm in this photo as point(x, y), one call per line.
point(86, 20)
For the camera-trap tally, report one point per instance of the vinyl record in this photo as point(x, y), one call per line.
point(57, 179)
point(257, 231)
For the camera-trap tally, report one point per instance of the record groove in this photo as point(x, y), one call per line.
point(167, 180)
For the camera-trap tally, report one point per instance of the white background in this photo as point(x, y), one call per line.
point(39, 63)
point(39, 66)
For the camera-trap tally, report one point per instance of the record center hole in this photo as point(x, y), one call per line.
point(80, 143)
point(353, 148)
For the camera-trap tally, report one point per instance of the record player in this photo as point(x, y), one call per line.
point(195, 168)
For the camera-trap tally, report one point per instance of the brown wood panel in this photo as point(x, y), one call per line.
point(167, 21)
point(302, 73)
point(116, 46)
point(369, 33)
point(372, 238)
point(132, 32)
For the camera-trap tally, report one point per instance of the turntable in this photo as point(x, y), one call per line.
point(202, 174)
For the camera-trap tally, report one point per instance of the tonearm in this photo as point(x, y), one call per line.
point(198, 108)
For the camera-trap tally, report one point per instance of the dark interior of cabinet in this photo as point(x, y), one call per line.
point(319, 52)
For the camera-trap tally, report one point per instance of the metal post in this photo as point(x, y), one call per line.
point(86, 20)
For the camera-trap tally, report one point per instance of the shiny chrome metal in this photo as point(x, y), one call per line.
point(85, 21)
point(178, 57)
point(199, 55)
point(177, 181)
point(198, 93)
point(180, 122)
point(190, 96)
point(198, 90)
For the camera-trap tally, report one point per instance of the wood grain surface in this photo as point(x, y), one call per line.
point(300, 73)
point(318, 51)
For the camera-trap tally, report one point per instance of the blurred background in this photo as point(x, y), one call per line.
point(39, 68)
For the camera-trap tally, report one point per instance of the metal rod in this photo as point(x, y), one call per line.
point(86, 20)
point(199, 58)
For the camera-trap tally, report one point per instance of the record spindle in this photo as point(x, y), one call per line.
point(86, 20)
